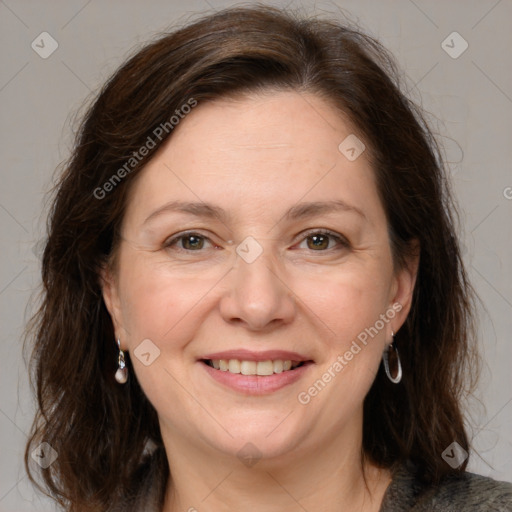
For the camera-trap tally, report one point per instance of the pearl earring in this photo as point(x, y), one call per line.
point(122, 371)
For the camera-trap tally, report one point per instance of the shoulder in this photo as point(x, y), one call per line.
point(463, 491)
point(468, 491)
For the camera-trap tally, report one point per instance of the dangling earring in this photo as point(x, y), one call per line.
point(385, 360)
point(122, 371)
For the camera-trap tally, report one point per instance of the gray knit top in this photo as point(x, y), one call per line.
point(463, 492)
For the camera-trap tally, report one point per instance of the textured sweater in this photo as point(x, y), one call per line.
point(463, 492)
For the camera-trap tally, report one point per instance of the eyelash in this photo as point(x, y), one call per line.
point(341, 240)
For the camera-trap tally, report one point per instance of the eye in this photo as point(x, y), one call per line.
point(188, 242)
point(322, 240)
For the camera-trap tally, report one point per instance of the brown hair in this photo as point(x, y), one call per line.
point(98, 428)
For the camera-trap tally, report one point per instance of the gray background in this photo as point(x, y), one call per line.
point(469, 99)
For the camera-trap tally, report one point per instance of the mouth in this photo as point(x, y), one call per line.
point(264, 368)
point(256, 373)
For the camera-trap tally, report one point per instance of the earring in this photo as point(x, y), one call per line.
point(122, 371)
point(385, 360)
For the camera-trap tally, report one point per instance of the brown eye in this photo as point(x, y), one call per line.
point(324, 241)
point(192, 242)
point(318, 242)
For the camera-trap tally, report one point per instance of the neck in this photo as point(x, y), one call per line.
point(323, 478)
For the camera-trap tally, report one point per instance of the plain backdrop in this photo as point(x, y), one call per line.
point(469, 100)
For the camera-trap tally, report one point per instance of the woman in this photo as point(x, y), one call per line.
point(254, 295)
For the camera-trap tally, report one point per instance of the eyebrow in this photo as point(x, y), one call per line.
point(200, 209)
point(312, 209)
point(296, 212)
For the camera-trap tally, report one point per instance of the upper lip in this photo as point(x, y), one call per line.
point(266, 355)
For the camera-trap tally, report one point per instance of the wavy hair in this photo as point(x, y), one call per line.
point(100, 429)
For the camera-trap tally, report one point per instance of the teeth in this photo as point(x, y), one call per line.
point(234, 366)
point(261, 368)
point(265, 368)
point(278, 366)
point(248, 367)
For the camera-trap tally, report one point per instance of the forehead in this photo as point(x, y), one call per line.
point(281, 125)
point(256, 152)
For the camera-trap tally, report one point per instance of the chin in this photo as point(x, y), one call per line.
point(263, 440)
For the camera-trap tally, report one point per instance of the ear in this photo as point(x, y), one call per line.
point(110, 292)
point(403, 285)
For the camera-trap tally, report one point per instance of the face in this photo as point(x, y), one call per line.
point(251, 241)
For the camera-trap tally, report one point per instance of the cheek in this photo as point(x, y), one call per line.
point(156, 306)
point(347, 301)
point(350, 308)
point(162, 302)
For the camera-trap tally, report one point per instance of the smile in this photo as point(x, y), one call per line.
point(260, 368)
point(255, 378)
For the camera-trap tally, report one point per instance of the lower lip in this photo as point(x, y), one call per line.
point(256, 384)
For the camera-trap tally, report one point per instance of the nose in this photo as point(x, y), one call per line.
point(257, 295)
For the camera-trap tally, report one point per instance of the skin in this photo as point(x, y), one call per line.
point(257, 156)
